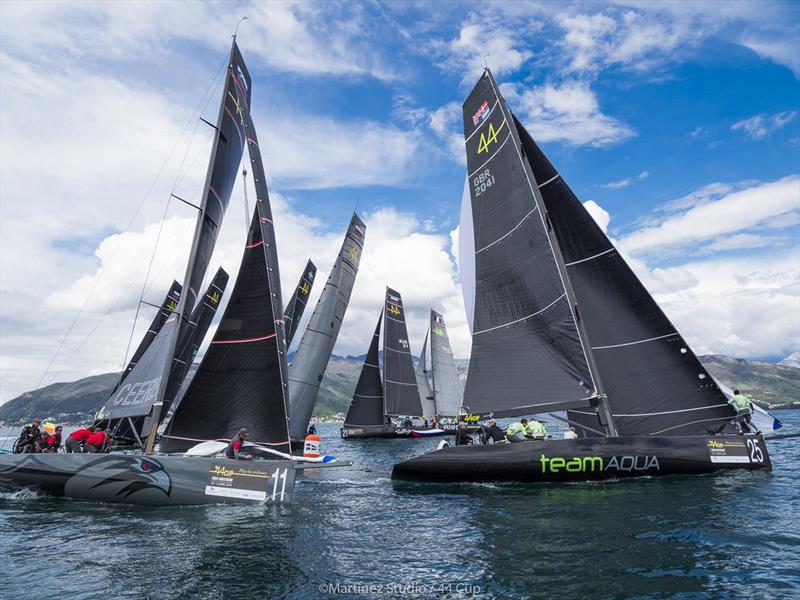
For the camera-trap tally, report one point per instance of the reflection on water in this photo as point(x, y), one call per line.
point(727, 534)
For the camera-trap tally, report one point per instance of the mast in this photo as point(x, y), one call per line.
point(209, 218)
point(607, 419)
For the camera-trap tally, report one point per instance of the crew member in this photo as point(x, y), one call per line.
point(462, 437)
point(535, 429)
point(571, 434)
point(26, 442)
point(516, 431)
point(743, 407)
point(235, 446)
point(492, 432)
point(433, 422)
point(312, 430)
point(96, 442)
point(76, 439)
point(408, 423)
point(53, 442)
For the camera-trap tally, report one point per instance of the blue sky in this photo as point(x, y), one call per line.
point(676, 121)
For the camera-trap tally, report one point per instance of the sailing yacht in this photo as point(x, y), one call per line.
point(241, 381)
point(562, 325)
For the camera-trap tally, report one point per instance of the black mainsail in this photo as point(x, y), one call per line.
point(314, 351)
point(366, 408)
point(525, 338)
point(448, 390)
point(401, 394)
point(293, 312)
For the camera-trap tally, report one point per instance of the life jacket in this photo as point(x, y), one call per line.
point(740, 402)
point(515, 429)
point(535, 429)
point(80, 434)
point(234, 447)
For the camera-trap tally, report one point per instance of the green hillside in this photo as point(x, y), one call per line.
point(772, 385)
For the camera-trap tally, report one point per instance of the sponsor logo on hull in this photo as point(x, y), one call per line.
point(597, 464)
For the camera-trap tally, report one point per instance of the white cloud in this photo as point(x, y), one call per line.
point(310, 39)
point(730, 214)
point(783, 50)
point(623, 183)
point(759, 126)
point(599, 214)
point(482, 41)
point(568, 113)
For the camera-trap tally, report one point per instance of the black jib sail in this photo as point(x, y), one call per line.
point(314, 351)
point(167, 307)
point(401, 394)
point(293, 312)
point(448, 390)
point(238, 383)
point(186, 349)
point(366, 409)
point(654, 382)
point(527, 353)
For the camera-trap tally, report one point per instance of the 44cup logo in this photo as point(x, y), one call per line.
point(489, 137)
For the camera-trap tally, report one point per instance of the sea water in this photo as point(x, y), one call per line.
point(352, 532)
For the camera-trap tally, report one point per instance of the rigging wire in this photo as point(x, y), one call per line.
point(204, 100)
point(201, 106)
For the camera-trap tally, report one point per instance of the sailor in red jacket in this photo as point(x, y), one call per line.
point(96, 442)
point(77, 438)
point(53, 442)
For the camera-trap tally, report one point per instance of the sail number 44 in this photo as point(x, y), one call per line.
point(483, 182)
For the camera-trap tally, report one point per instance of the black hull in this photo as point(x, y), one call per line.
point(154, 479)
point(586, 459)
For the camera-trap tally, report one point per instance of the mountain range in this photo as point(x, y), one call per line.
point(772, 385)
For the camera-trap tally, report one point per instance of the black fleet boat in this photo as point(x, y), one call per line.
point(395, 393)
point(561, 323)
point(241, 382)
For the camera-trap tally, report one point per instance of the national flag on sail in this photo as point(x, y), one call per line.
point(392, 299)
point(482, 113)
point(358, 232)
point(439, 319)
point(240, 77)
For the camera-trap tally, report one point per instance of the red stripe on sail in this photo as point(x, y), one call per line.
point(261, 243)
point(235, 124)
point(244, 341)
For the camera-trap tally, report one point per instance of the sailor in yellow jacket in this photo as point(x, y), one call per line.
point(535, 429)
point(516, 431)
point(743, 407)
